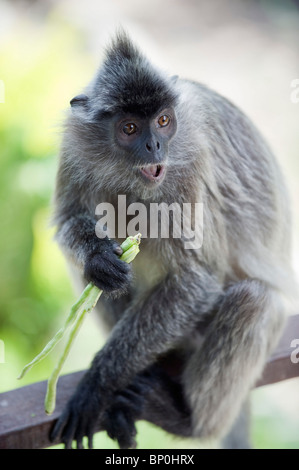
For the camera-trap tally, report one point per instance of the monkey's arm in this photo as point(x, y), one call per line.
point(98, 258)
point(147, 329)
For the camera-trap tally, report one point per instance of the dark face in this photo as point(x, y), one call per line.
point(144, 142)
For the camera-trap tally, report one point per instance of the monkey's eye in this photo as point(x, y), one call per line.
point(130, 128)
point(164, 120)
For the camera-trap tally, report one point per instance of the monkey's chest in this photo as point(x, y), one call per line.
point(148, 272)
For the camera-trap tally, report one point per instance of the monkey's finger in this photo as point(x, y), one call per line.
point(64, 429)
point(111, 277)
point(84, 427)
point(90, 440)
point(117, 249)
point(90, 432)
point(109, 266)
point(126, 436)
point(68, 433)
point(80, 444)
point(120, 426)
point(79, 441)
point(117, 271)
point(58, 427)
point(118, 265)
point(108, 284)
point(78, 437)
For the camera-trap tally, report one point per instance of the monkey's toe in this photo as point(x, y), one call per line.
point(120, 426)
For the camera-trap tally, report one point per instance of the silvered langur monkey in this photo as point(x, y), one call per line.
point(191, 329)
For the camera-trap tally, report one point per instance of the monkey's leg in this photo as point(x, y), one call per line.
point(156, 397)
point(237, 343)
point(238, 436)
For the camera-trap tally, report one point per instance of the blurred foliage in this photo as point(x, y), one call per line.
point(40, 75)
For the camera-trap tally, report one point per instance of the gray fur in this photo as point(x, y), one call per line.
point(238, 279)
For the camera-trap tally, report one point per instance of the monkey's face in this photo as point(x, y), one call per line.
point(143, 143)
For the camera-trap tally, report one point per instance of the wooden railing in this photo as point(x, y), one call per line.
point(24, 424)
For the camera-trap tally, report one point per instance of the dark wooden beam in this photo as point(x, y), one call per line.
point(23, 421)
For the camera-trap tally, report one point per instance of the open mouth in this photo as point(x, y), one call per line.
point(153, 172)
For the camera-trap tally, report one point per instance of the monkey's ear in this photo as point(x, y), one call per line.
point(80, 107)
point(79, 100)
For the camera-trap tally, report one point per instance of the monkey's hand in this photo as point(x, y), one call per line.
point(104, 268)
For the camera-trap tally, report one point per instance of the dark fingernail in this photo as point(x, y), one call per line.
point(118, 250)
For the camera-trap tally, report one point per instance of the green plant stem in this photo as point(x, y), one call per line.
point(60, 333)
point(93, 296)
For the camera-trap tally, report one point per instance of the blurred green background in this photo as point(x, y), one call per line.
point(247, 51)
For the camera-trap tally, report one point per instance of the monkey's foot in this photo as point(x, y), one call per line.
point(127, 407)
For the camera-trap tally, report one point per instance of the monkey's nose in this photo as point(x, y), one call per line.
point(152, 146)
